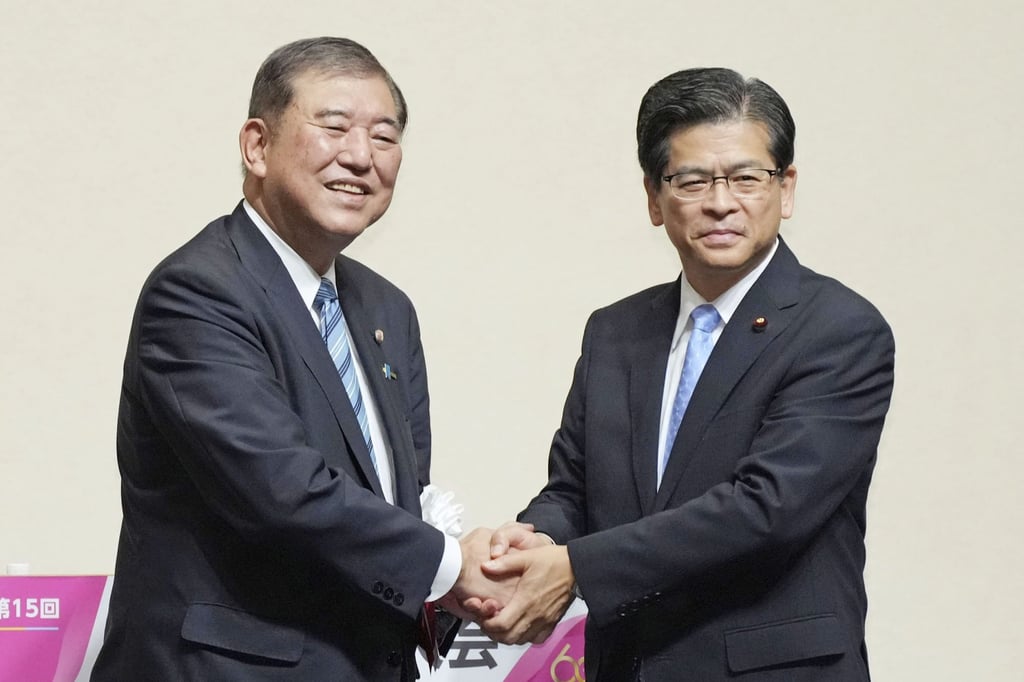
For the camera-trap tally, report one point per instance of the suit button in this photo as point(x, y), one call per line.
point(388, 593)
point(378, 587)
point(399, 599)
point(394, 659)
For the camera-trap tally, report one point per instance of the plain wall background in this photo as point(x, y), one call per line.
point(519, 210)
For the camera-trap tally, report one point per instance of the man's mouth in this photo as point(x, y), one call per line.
point(720, 237)
point(346, 187)
point(721, 231)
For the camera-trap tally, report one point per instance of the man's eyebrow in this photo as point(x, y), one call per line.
point(331, 113)
point(328, 113)
point(750, 163)
point(679, 170)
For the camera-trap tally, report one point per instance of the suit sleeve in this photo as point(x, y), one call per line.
point(419, 401)
point(205, 374)
point(816, 443)
point(560, 509)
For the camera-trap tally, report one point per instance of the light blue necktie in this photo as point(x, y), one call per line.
point(705, 319)
point(332, 328)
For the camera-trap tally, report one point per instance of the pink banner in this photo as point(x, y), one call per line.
point(475, 658)
point(45, 625)
point(559, 659)
point(51, 628)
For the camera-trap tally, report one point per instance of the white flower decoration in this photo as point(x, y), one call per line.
point(440, 511)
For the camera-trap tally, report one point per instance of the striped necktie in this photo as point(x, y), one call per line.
point(332, 328)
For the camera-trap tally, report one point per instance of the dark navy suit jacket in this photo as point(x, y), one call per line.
point(747, 563)
point(256, 544)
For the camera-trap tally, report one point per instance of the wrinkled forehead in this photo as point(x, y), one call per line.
point(315, 91)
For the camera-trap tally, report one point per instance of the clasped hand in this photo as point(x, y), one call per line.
point(514, 582)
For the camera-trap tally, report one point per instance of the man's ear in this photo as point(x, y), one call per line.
point(788, 191)
point(651, 186)
point(253, 140)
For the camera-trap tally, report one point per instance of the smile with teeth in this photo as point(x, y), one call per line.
point(346, 187)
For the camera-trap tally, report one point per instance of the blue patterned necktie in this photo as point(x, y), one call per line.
point(705, 319)
point(332, 328)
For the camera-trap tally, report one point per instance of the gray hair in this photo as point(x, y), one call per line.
point(272, 89)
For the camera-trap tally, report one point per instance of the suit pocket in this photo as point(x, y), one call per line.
point(223, 627)
point(785, 642)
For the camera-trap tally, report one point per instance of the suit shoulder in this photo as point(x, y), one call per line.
point(836, 305)
point(207, 245)
point(830, 291)
point(640, 303)
point(207, 255)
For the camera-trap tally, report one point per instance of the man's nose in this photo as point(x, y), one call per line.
point(356, 149)
point(720, 198)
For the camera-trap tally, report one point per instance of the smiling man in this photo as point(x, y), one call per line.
point(707, 485)
point(273, 435)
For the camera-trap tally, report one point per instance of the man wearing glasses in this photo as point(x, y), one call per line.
point(707, 485)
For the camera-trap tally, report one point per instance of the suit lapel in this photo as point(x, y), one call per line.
point(359, 315)
point(774, 297)
point(265, 265)
point(646, 372)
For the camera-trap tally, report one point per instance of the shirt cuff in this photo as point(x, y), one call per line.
point(448, 571)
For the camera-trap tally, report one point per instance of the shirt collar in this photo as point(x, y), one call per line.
point(306, 279)
point(726, 304)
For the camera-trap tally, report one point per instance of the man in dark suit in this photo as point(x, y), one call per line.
point(270, 483)
point(735, 549)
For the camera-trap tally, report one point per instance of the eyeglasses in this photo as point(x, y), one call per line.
point(746, 183)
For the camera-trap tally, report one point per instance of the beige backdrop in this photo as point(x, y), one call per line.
point(519, 210)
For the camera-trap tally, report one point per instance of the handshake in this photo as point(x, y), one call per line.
point(515, 583)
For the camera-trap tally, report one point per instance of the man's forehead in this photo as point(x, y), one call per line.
point(750, 136)
point(326, 90)
point(738, 127)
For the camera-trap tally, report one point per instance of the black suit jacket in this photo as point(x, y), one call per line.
point(255, 543)
point(748, 562)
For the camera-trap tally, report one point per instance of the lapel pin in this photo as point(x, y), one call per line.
point(378, 336)
point(760, 324)
point(388, 372)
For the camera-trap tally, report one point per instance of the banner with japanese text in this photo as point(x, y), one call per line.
point(48, 625)
point(51, 629)
point(475, 658)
